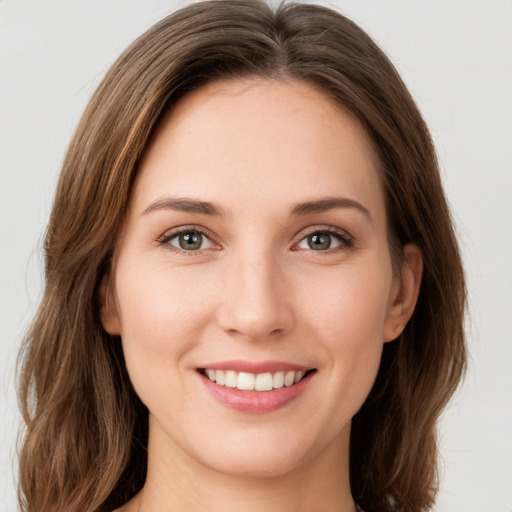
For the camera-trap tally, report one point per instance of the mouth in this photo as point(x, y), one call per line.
point(259, 382)
point(255, 387)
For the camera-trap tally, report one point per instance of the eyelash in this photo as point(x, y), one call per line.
point(345, 240)
point(167, 237)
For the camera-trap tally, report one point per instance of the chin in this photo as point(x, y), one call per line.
point(262, 466)
point(261, 454)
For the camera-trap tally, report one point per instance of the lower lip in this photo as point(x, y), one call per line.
point(256, 401)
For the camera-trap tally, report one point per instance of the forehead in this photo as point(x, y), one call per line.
point(274, 140)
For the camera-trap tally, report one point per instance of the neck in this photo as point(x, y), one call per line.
point(176, 481)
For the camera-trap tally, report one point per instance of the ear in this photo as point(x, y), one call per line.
point(405, 293)
point(109, 315)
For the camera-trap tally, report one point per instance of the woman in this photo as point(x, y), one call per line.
point(246, 303)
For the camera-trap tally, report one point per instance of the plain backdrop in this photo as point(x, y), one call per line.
point(455, 56)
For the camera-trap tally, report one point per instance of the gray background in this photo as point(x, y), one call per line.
point(456, 57)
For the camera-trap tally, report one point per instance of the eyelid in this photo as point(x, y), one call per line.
point(164, 239)
point(346, 240)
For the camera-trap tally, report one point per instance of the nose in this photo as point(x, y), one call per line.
point(256, 303)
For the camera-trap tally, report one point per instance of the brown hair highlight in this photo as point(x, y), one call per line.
point(86, 430)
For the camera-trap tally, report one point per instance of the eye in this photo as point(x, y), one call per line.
point(325, 240)
point(189, 240)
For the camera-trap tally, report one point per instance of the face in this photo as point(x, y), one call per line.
point(253, 287)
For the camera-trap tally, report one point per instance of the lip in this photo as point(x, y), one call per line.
point(240, 365)
point(256, 402)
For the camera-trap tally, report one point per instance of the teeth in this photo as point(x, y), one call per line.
point(230, 379)
point(289, 378)
point(264, 382)
point(220, 377)
point(245, 381)
point(250, 382)
point(298, 376)
point(278, 379)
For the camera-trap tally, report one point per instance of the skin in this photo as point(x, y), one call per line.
point(257, 291)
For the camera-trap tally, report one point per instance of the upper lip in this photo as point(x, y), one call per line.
point(255, 367)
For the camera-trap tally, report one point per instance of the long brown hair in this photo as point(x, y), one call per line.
point(86, 430)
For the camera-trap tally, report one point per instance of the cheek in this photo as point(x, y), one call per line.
point(346, 314)
point(162, 301)
point(349, 303)
point(162, 316)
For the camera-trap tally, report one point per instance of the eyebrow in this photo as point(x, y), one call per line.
point(185, 204)
point(328, 203)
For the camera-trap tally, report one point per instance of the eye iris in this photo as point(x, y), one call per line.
point(190, 241)
point(319, 241)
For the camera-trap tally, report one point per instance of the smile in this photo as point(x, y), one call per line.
point(255, 387)
point(245, 381)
